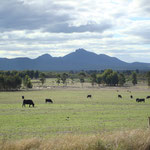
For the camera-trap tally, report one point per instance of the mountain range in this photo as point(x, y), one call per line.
point(78, 60)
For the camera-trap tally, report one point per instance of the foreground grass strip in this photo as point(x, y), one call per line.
point(123, 140)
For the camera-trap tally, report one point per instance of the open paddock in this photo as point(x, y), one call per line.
point(71, 112)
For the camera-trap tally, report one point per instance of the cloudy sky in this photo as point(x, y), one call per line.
point(120, 28)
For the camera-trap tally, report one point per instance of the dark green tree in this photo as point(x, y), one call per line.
point(106, 76)
point(82, 81)
point(72, 79)
point(64, 77)
point(58, 79)
point(109, 77)
point(93, 78)
point(8, 83)
point(36, 74)
point(134, 78)
point(114, 79)
point(17, 82)
point(1, 82)
point(42, 78)
point(27, 82)
point(82, 75)
point(148, 78)
point(99, 79)
point(122, 79)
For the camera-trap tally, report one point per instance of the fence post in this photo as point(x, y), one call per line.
point(148, 121)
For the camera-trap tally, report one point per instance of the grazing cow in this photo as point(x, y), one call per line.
point(28, 102)
point(131, 96)
point(140, 100)
point(147, 97)
point(119, 96)
point(48, 101)
point(89, 96)
point(22, 97)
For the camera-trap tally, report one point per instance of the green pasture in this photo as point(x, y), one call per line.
point(71, 112)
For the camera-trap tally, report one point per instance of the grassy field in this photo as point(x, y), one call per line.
point(127, 140)
point(72, 112)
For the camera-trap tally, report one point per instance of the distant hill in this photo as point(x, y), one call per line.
point(78, 60)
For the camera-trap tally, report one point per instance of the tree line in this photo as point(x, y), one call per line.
point(10, 82)
point(108, 77)
point(31, 73)
point(14, 80)
point(105, 77)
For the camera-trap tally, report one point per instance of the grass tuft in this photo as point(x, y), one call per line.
point(123, 140)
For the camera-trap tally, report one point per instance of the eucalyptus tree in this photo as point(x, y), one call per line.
point(93, 78)
point(42, 78)
point(134, 78)
point(64, 77)
point(122, 79)
point(27, 82)
point(148, 78)
point(82, 75)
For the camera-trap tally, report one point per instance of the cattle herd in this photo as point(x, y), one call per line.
point(31, 103)
point(131, 96)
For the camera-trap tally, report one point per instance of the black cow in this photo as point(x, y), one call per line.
point(89, 96)
point(22, 97)
point(140, 100)
point(131, 96)
point(28, 102)
point(119, 96)
point(48, 101)
point(147, 97)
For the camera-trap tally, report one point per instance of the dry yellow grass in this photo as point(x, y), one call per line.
point(123, 140)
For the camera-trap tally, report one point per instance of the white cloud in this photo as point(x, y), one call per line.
point(140, 8)
point(119, 28)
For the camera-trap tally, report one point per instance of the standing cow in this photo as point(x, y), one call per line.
point(147, 97)
point(140, 100)
point(48, 101)
point(89, 96)
point(27, 102)
point(119, 96)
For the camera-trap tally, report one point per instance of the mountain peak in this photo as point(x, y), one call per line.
point(80, 59)
point(44, 56)
point(81, 50)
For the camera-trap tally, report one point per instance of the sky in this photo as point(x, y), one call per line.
point(118, 28)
